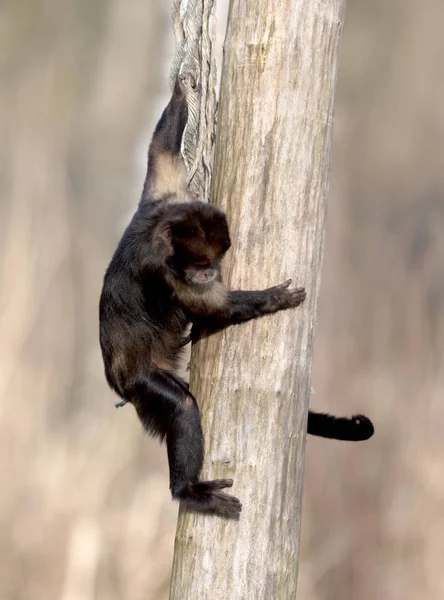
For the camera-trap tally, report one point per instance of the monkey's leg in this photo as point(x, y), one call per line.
point(167, 409)
point(353, 429)
point(244, 306)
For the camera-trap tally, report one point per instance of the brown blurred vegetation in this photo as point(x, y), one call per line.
point(84, 506)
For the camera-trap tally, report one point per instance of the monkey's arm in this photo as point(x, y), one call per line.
point(244, 306)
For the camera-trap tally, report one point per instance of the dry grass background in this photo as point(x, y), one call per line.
point(84, 505)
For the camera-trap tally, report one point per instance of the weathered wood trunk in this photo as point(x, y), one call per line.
point(253, 381)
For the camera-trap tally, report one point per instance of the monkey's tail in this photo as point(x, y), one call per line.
point(166, 173)
point(354, 429)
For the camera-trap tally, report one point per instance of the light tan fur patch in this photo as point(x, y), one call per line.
point(200, 300)
point(169, 177)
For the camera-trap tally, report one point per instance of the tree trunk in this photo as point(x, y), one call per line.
point(253, 381)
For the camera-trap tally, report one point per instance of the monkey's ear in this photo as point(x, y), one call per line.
point(162, 245)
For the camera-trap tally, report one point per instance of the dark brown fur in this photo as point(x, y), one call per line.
point(164, 275)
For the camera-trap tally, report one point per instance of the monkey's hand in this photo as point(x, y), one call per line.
point(281, 297)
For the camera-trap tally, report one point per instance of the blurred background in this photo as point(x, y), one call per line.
point(85, 511)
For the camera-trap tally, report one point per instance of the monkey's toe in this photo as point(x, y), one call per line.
point(226, 506)
point(216, 484)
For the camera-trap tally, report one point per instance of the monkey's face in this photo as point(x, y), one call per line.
point(200, 239)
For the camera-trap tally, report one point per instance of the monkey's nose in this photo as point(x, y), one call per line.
point(207, 275)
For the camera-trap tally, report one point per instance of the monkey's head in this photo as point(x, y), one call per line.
point(198, 238)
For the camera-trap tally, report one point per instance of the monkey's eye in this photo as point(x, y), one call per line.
point(183, 231)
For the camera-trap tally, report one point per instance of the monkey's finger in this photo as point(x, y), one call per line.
point(299, 292)
point(180, 82)
point(228, 505)
point(285, 285)
point(193, 82)
point(179, 87)
point(298, 295)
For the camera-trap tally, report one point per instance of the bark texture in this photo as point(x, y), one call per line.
point(253, 381)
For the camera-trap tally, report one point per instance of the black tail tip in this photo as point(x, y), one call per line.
point(363, 427)
point(348, 429)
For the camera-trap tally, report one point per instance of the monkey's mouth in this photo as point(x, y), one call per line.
point(204, 276)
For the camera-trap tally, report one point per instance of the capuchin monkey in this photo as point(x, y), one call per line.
point(164, 275)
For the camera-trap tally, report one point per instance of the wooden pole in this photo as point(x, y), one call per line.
point(253, 381)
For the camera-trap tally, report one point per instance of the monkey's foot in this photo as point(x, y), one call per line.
point(207, 497)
